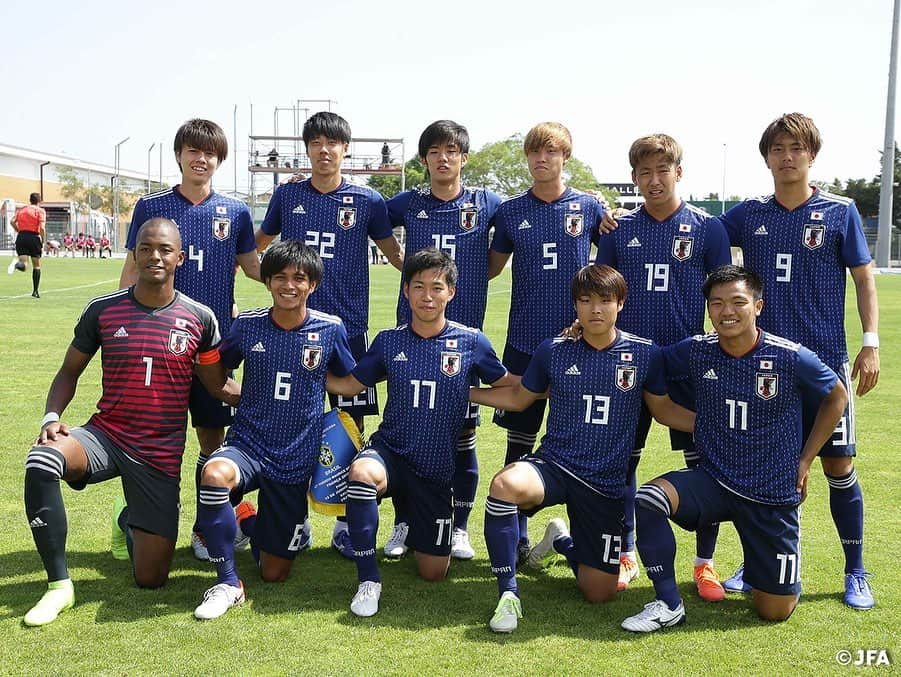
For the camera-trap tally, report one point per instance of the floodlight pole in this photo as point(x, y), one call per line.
point(116, 194)
point(149, 150)
point(884, 238)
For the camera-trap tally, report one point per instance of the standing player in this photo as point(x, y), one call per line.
point(801, 240)
point(456, 220)
point(152, 339)
point(664, 249)
point(754, 460)
point(217, 234)
point(30, 223)
point(335, 218)
point(549, 230)
point(596, 387)
point(274, 442)
point(429, 365)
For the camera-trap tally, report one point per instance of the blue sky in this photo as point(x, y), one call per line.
point(79, 77)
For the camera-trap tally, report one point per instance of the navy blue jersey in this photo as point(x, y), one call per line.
point(428, 391)
point(279, 417)
point(337, 225)
point(595, 397)
point(550, 242)
point(458, 227)
point(748, 427)
point(148, 357)
point(665, 264)
point(213, 234)
point(802, 254)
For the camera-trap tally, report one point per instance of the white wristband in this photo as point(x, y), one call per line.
point(870, 339)
point(49, 417)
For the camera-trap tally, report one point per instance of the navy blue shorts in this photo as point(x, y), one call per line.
point(281, 508)
point(528, 420)
point(206, 410)
point(770, 534)
point(844, 438)
point(362, 404)
point(428, 505)
point(595, 521)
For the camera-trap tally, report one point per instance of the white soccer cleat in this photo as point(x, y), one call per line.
point(507, 613)
point(11, 268)
point(460, 546)
point(396, 545)
point(543, 552)
point(219, 599)
point(60, 596)
point(366, 602)
point(654, 616)
point(199, 547)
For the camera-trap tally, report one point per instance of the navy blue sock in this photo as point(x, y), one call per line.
point(216, 520)
point(44, 509)
point(501, 537)
point(846, 505)
point(466, 479)
point(628, 534)
point(656, 542)
point(363, 524)
point(564, 546)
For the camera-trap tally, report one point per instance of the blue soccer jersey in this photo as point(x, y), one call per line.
point(748, 426)
point(279, 417)
point(337, 225)
point(458, 227)
point(595, 397)
point(665, 264)
point(213, 234)
point(801, 255)
point(550, 242)
point(428, 392)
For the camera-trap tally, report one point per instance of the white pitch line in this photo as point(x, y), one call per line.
point(56, 291)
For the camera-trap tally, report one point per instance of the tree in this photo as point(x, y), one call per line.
point(866, 193)
point(389, 185)
point(98, 196)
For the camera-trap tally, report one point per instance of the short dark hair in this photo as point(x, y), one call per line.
point(204, 135)
point(291, 253)
point(327, 124)
point(155, 222)
point(443, 131)
point(34, 198)
point(797, 126)
point(732, 273)
point(427, 259)
point(601, 280)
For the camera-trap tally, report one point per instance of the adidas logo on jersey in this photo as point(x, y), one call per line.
point(761, 231)
point(258, 348)
point(710, 374)
point(634, 242)
point(37, 522)
point(573, 371)
point(422, 214)
point(525, 224)
point(120, 333)
point(299, 210)
point(400, 357)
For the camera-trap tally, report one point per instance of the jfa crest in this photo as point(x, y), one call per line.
point(625, 377)
point(347, 217)
point(221, 228)
point(178, 341)
point(450, 364)
point(767, 385)
point(468, 219)
point(573, 224)
point(682, 247)
point(814, 236)
point(311, 357)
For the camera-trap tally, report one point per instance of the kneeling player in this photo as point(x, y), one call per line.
point(754, 462)
point(595, 387)
point(274, 442)
point(429, 364)
point(153, 340)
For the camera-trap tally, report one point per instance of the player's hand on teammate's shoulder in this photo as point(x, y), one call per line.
point(294, 178)
point(573, 331)
point(866, 367)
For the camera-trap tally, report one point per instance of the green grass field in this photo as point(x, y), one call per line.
point(305, 626)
